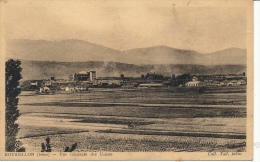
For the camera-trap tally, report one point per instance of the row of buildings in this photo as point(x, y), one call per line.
point(233, 82)
point(83, 80)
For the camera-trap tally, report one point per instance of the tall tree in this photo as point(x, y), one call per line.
point(12, 77)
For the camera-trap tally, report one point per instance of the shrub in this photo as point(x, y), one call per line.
point(47, 147)
point(73, 147)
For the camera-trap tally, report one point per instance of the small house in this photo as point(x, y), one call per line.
point(69, 88)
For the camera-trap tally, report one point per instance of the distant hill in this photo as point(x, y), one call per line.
point(81, 51)
point(62, 70)
point(42, 59)
point(63, 51)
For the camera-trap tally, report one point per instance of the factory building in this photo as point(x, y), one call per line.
point(85, 76)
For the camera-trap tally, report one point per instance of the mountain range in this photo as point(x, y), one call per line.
point(42, 59)
point(78, 51)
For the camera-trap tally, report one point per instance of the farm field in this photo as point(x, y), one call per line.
point(165, 119)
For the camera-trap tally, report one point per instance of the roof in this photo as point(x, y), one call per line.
point(233, 81)
point(241, 81)
point(82, 72)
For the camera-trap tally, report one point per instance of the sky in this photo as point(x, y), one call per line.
point(124, 25)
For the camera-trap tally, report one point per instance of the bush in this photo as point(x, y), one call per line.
point(47, 147)
point(73, 147)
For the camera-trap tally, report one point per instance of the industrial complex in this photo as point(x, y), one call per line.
point(83, 80)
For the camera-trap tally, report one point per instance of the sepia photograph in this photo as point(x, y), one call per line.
point(126, 80)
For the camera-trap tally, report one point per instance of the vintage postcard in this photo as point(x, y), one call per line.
point(126, 80)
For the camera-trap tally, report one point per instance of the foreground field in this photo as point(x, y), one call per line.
point(164, 119)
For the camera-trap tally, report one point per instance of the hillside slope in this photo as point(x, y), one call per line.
point(81, 51)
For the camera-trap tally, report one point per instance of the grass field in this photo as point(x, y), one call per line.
point(166, 119)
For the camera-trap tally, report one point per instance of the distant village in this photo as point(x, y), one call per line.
point(83, 80)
